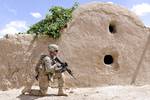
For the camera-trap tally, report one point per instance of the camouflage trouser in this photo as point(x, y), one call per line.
point(43, 84)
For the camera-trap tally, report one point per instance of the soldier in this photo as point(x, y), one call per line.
point(47, 69)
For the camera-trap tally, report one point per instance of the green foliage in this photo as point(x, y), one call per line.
point(54, 22)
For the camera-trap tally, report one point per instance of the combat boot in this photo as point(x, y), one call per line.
point(61, 92)
point(25, 90)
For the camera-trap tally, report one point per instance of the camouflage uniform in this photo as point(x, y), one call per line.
point(47, 70)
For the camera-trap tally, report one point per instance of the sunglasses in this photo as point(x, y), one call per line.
point(56, 50)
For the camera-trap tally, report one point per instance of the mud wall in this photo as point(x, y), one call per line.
point(102, 44)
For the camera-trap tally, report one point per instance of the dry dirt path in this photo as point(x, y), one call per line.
point(97, 93)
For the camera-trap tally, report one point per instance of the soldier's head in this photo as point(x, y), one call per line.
point(53, 49)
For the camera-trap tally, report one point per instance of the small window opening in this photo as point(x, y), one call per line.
point(112, 28)
point(108, 59)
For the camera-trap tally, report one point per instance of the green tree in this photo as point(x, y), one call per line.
point(54, 22)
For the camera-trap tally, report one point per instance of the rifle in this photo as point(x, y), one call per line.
point(64, 67)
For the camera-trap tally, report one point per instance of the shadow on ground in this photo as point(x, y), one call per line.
point(30, 97)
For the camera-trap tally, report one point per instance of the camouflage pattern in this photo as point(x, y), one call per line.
point(53, 47)
point(43, 67)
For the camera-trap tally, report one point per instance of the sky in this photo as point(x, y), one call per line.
point(18, 15)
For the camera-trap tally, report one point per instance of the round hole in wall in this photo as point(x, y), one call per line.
point(112, 28)
point(108, 59)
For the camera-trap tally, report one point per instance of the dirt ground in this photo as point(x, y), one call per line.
point(97, 93)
